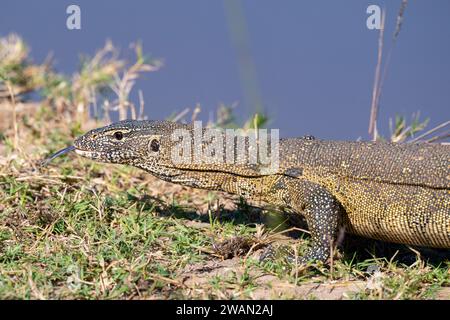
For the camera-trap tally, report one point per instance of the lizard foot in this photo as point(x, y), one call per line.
point(283, 253)
point(268, 254)
point(286, 254)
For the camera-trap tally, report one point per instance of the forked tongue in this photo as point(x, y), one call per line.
point(57, 154)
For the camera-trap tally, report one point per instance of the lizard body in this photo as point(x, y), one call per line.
point(392, 192)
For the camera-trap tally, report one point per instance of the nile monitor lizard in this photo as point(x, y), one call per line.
point(391, 192)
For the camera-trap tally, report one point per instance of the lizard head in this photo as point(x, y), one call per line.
point(145, 144)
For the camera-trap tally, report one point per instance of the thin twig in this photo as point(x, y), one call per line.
point(376, 84)
point(13, 102)
point(195, 113)
point(398, 27)
point(141, 105)
point(443, 136)
point(180, 115)
point(442, 125)
point(133, 111)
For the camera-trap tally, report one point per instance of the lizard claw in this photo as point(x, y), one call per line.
point(283, 253)
point(268, 254)
point(288, 256)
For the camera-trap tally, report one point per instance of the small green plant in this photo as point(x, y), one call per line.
point(400, 131)
point(16, 67)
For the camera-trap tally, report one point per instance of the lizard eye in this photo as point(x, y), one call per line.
point(154, 145)
point(118, 135)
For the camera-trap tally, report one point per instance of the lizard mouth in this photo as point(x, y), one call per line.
point(84, 153)
point(90, 154)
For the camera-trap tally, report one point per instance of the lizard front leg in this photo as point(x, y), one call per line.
point(322, 213)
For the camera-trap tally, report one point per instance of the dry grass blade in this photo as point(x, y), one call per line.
point(158, 277)
point(141, 105)
point(431, 131)
point(16, 69)
point(181, 115)
point(376, 85)
point(398, 27)
point(123, 84)
point(440, 137)
point(92, 78)
point(13, 103)
point(400, 18)
point(379, 81)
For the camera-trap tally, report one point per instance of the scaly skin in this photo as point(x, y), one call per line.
point(392, 192)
